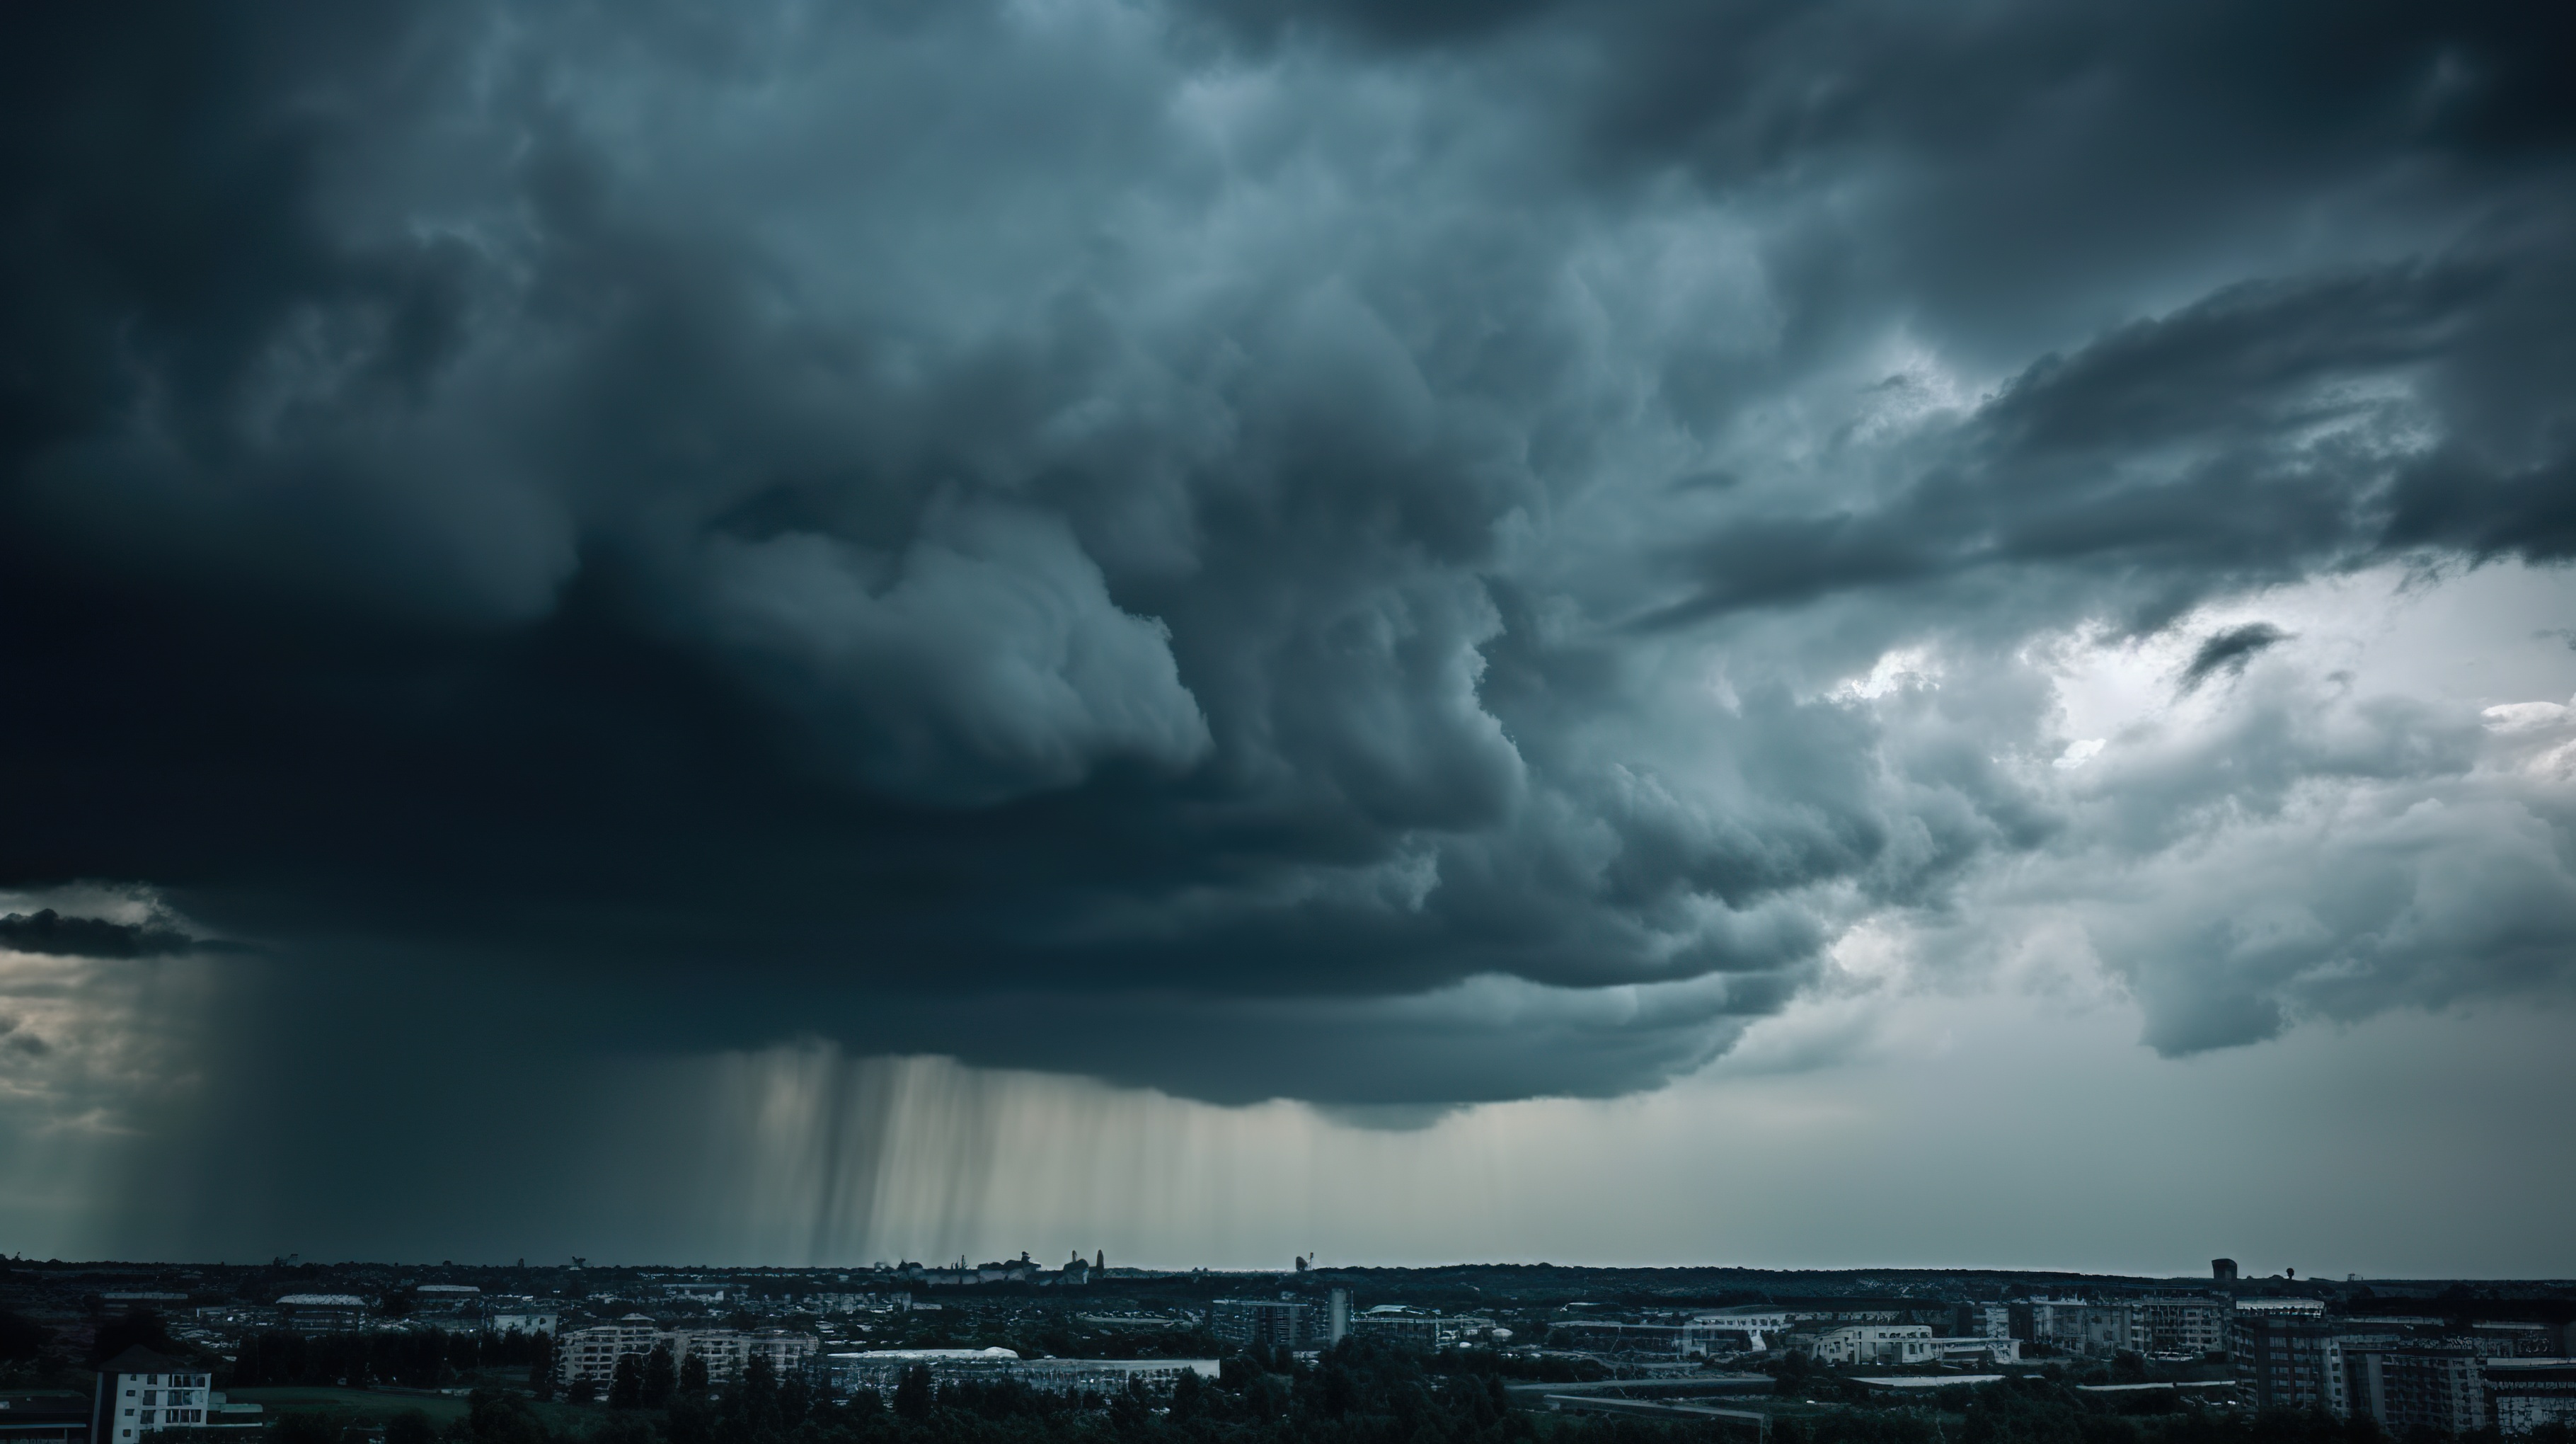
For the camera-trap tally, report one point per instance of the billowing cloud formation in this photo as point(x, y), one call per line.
point(1385, 554)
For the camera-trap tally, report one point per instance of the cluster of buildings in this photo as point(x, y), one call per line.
point(1301, 1324)
point(2409, 1374)
point(1829, 1332)
point(2171, 1325)
point(962, 1274)
point(451, 1308)
point(590, 1355)
point(2327, 1353)
point(1282, 1323)
point(883, 1369)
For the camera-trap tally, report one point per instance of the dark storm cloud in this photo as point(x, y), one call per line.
point(2228, 651)
point(2250, 438)
point(47, 931)
point(1097, 537)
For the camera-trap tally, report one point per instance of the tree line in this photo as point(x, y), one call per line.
point(418, 1359)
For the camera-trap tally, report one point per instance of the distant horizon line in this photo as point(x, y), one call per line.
point(583, 1263)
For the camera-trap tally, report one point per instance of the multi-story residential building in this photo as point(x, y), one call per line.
point(591, 1354)
point(787, 1352)
point(1411, 1330)
point(2523, 1394)
point(2283, 1358)
point(2190, 1325)
point(1267, 1323)
point(1876, 1344)
point(2419, 1387)
point(141, 1392)
point(1736, 1330)
point(2078, 1326)
point(1983, 1321)
point(2516, 1341)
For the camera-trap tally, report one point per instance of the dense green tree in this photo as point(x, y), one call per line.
point(305, 1426)
point(693, 1377)
point(661, 1376)
point(691, 1420)
point(626, 1384)
point(411, 1426)
point(20, 1337)
point(912, 1394)
point(541, 1365)
point(493, 1416)
point(621, 1429)
point(141, 1328)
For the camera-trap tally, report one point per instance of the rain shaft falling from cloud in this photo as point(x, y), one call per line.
point(1415, 559)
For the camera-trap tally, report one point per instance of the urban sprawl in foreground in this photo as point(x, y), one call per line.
point(409, 1354)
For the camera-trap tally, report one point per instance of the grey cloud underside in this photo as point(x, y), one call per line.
point(48, 931)
point(1188, 544)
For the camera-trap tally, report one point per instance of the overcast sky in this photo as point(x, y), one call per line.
point(1803, 633)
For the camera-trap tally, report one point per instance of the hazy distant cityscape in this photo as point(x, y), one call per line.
point(309, 1352)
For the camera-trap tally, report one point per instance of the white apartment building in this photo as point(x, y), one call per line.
point(1716, 1332)
point(1878, 1344)
point(2195, 1325)
point(2523, 1394)
point(2180, 1325)
point(593, 1353)
point(1990, 1321)
point(141, 1392)
point(2079, 1325)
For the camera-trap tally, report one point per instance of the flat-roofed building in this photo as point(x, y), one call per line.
point(1748, 1328)
point(2193, 1325)
point(1412, 1330)
point(2523, 1341)
point(1876, 1344)
point(882, 1369)
point(2282, 1358)
point(141, 1392)
point(45, 1417)
point(2414, 1388)
point(322, 1313)
point(591, 1354)
point(1267, 1323)
point(2523, 1394)
point(1983, 1321)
